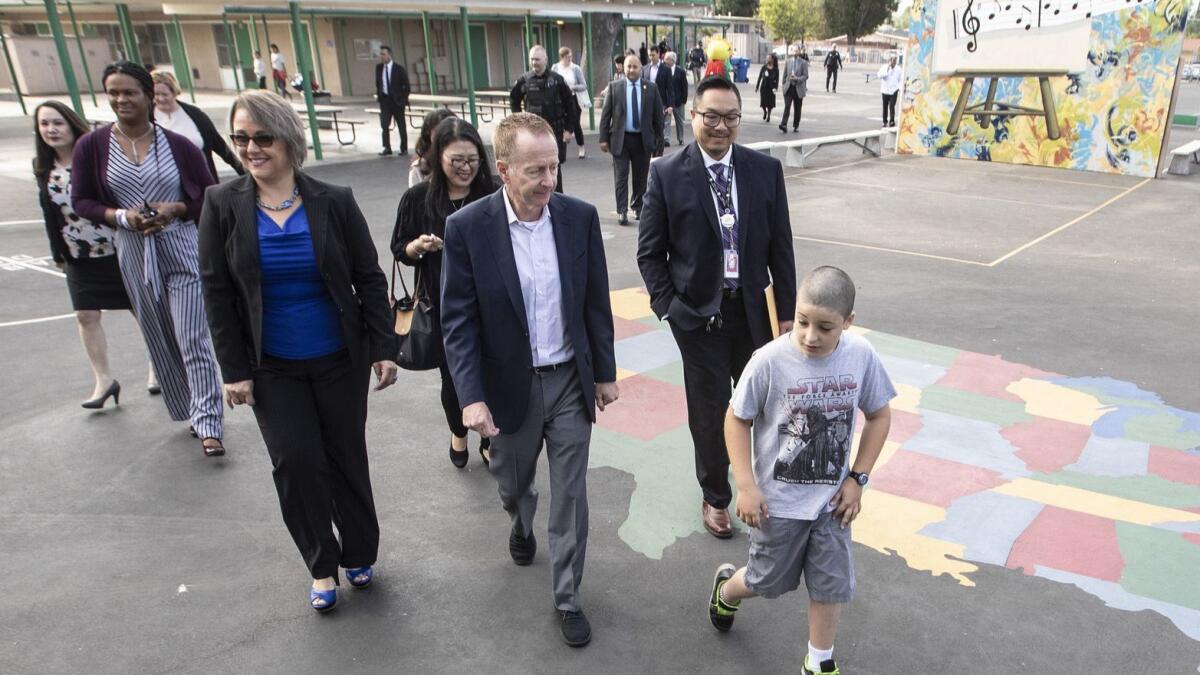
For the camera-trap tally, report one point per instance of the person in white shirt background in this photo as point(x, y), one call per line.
point(279, 72)
point(260, 70)
point(572, 74)
point(890, 77)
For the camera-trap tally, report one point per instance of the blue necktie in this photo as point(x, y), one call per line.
point(637, 110)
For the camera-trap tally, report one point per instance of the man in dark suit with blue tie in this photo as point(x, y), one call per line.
point(631, 126)
point(528, 332)
point(707, 255)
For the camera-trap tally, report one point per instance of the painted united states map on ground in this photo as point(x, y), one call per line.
point(1085, 481)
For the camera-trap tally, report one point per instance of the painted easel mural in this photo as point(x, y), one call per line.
point(1080, 84)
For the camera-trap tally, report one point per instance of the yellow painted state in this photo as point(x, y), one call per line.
point(1052, 401)
point(623, 374)
point(630, 303)
point(1094, 503)
point(908, 398)
point(890, 525)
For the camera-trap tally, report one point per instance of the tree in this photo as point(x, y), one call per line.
point(856, 18)
point(792, 20)
point(606, 31)
point(736, 7)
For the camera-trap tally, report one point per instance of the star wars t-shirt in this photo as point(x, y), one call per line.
point(803, 408)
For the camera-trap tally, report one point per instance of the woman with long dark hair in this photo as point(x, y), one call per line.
point(459, 176)
point(768, 81)
point(148, 183)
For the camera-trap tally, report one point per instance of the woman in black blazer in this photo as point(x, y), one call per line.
point(298, 310)
point(191, 122)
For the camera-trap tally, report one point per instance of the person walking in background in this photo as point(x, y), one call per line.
point(631, 124)
point(260, 69)
point(149, 184)
point(833, 63)
point(572, 74)
point(84, 250)
point(655, 73)
point(299, 315)
point(795, 83)
point(768, 80)
point(420, 169)
point(279, 72)
point(717, 313)
point(391, 91)
point(644, 55)
point(696, 61)
point(460, 176)
point(543, 92)
point(190, 122)
point(890, 78)
point(677, 87)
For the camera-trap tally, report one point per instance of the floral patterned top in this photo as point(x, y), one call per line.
point(84, 239)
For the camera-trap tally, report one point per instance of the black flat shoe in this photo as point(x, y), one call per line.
point(522, 549)
point(153, 389)
point(459, 457)
point(485, 454)
point(114, 390)
point(575, 628)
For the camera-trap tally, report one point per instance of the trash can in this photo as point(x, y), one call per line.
point(741, 68)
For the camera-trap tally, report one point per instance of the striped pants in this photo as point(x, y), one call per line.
point(171, 316)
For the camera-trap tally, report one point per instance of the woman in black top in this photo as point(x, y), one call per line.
point(459, 176)
point(191, 122)
point(768, 81)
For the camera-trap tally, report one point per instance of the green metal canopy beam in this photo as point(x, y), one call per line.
point(305, 60)
point(64, 56)
point(528, 32)
point(587, 61)
point(179, 56)
point(82, 56)
point(462, 12)
point(504, 52)
point(12, 73)
point(131, 45)
point(315, 45)
point(233, 54)
point(429, 71)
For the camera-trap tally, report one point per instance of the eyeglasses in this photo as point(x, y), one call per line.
point(464, 162)
point(712, 119)
point(262, 140)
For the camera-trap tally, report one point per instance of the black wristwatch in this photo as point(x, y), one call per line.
point(860, 478)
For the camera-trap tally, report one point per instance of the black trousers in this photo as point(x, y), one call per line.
point(313, 417)
point(578, 130)
point(450, 403)
point(889, 106)
point(712, 364)
point(390, 110)
point(633, 155)
point(831, 73)
point(790, 98)
point(262, 82)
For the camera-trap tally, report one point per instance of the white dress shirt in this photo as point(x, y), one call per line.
point(386, 76)
point(536, 255)
point(889, 79)
point(727, 160)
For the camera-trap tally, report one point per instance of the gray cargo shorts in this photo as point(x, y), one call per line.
point(783, 550)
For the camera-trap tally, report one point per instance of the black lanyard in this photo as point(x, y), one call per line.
point(725, 203)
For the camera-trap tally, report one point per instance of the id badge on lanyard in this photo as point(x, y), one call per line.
point(731, 254)
point(727, 220)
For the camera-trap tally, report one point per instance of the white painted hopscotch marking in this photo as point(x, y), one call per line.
point(16, 263)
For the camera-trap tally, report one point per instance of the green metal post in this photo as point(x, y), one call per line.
point(266, 37)
point(680, 44)
point(462, 13)
point(182, 56)
point(392, 37)
point(343, 57)
point(12, 73)
point(654, 36)
point(68, 68)
point(131, 45)
point(587, 58)
point(456, 74)
point(403, 44)
point(528, 32)
point(428, 54)
point(254, 34)
point(237, 61)
point(82, 57)
point(315, 45)
point(504, 52)
point(305, 61)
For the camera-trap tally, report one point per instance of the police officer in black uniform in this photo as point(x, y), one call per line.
point(543, 92)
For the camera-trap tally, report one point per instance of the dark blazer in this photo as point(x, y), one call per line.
point(679, 87)
point(612, 117)
point(213, 142)
point(666, 93)
point(89, 174)
point(679, 240)
point(232, 273)
point(398, 88)
point(484, 325)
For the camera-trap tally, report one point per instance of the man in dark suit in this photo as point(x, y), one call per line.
point(707, 255)
point(528, 332)
point(631, 125)
point(391, 90)
point(678, 87)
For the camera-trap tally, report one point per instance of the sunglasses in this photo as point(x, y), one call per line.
point(262, 140)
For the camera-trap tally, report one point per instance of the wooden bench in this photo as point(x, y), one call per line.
point(794, 153)
point(1183, 157)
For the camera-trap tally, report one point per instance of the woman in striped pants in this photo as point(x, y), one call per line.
point(149, 184)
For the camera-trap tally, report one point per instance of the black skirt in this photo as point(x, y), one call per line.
point(95, 283)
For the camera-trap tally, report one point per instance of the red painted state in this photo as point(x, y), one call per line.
point(987, 375)
point(932, 480)
point(905, 425)
point(1192, 537)
point(647, 408)
point(1174, 465)
point(1047, 445)
point(1074, 542)
point(623, 328)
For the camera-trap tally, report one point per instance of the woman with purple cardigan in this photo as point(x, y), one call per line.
point(148, 183)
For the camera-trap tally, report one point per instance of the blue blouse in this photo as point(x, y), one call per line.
point(300, 320)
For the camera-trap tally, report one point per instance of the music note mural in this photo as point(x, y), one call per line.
point(1042, 81)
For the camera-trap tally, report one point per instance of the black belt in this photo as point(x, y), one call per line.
point(731, 293)
point(550, 368)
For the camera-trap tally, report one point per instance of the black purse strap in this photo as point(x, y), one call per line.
point(395, 270)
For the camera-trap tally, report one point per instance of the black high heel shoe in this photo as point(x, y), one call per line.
point(114, 390)
point(459, 457)
point(484, 445)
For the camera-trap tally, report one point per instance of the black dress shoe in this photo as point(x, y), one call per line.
point(114, 390)
point(522, 549)
point(666, 144)
point(576, 631)
point(623, 220)
point(459, 457)
point(783, 128)
point(485, 451)
point(153, 389)
point(384, 153)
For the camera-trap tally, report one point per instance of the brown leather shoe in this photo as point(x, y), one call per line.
point(716, 521)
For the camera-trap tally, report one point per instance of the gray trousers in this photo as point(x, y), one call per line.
point(558, 416)
point(677, 115)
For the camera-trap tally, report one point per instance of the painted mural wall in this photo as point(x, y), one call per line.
point(1108, 68)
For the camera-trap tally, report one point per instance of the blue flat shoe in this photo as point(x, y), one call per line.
point(322, 601)
point(360, 577)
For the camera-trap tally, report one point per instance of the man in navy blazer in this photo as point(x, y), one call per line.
point(528, 331)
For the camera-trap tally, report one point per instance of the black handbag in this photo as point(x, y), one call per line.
point(418, 331)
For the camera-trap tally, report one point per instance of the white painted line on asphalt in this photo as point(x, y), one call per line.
point(941, 193)
point(16, 262)
point(891, 250)
point(19, 222)
point(41, 320)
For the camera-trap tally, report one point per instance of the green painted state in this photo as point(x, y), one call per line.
point(916, 350)
point(973, 406)
point(1161, 429)
point(672, 373)
point(1147, 489)
point(1159, 564)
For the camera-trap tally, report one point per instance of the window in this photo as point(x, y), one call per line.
point(152, 43)
point(224, 52)
point(112, 36)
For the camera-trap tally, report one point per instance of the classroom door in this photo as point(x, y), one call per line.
point(479, 62)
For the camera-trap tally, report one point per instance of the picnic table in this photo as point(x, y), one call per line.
point(329, 113)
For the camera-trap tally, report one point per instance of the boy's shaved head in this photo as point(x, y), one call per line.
point(828, 287)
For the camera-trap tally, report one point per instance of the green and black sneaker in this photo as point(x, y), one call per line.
point(827, 668)
point(719, 612)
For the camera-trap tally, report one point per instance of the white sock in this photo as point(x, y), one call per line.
point(816, 656)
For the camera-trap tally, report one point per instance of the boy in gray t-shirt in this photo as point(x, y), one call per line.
point(799, 394)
